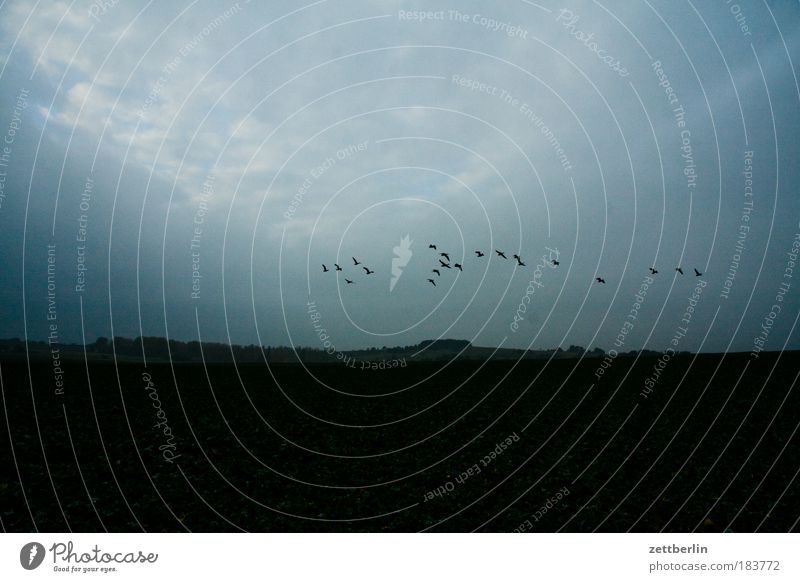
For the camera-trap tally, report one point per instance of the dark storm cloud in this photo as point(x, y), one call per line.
point(618, 135)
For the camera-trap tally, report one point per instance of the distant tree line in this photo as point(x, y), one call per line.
point(161, 349)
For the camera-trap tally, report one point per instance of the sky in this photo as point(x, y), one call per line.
point(184, 169)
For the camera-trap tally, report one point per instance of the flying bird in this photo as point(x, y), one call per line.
point(437, 272)
point(653, 271)
point(349, 282)
point(600, 280)
point(445, 265)
point(338, 268)
point(324, 268)
point(555, 263)
point(501, 254)
point(355, 262)
point(457, 266)
point(432, 282)
point(479, 254)
point(432, 247)
point(367, 270)
point(679, 270)
point(697, 273)
point(519, 261)
point(445, 255)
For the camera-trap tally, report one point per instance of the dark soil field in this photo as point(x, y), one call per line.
point(330, 448)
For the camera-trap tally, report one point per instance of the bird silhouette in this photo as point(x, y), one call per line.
point(432, 282)
point(445, 255)
point(600, 280)
point(479, 254)
point(338, 268)
point(555, 263)
point(437, 272)
point(445, 265)
point(501, 254)
point(355, 262)
point(679, 270)
point(520, 263)
point(324, 268)
point(457, 266)
point(697, 273)
point(653, 271)
point(367, 271)
point(349, 282)
point(432, 247)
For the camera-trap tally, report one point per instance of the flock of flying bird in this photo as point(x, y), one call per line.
point(445, 263)
point(356, 263)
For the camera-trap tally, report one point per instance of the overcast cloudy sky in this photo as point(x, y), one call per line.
point(213, 155)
